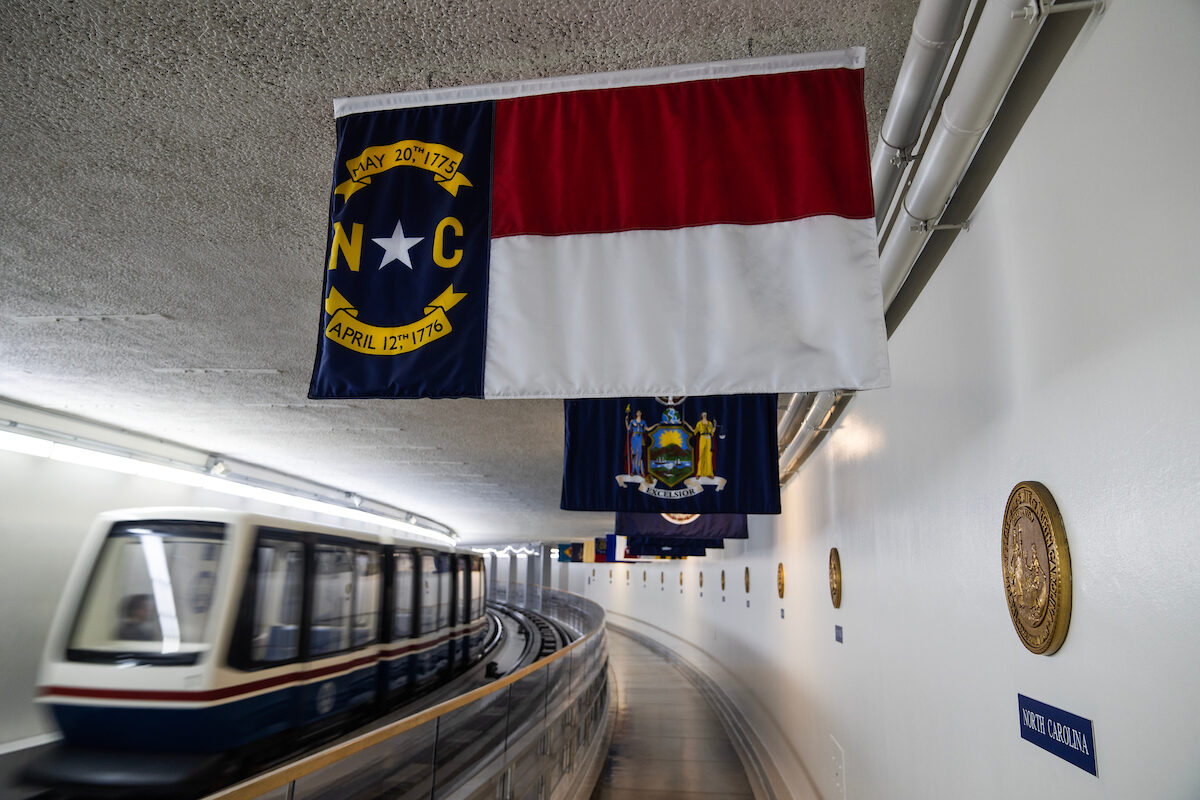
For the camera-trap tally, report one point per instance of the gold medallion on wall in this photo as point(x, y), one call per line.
point(747, 580)
point(835, 577)
point(779, 579)
point(681, 579)
point(1037, 568)
point(722, 580)
point(701, 580)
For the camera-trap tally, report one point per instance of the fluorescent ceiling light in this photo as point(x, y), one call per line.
point(129, 465)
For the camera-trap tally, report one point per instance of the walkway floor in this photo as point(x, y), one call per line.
point(667, 742)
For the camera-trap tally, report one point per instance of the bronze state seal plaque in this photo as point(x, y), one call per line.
point(1037, 568)
point(835, 577)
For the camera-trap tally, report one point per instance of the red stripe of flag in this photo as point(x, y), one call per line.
point(745, 150)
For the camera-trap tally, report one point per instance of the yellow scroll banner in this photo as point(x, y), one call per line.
point(442, 161)
point(374, 340)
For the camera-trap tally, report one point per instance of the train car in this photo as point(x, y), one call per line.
point(194, 632)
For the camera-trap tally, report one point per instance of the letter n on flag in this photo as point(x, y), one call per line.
point(696, 230)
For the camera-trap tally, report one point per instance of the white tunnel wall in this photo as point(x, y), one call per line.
point(1057, 342)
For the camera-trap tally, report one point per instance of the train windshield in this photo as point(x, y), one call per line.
point(150, 594)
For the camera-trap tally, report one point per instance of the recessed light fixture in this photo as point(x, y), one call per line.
point(300, 405)
point(214, 371)
point(62, 318)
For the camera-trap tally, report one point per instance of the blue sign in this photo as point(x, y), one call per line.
point(1060, 732)
point(837, 632)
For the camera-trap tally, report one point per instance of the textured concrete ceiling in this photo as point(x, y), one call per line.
point(170, 162)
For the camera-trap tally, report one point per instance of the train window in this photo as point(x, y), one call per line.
point(461, 565)
point(333, 590)
point(442, 560)
point(279, 583)
point(366, 597)
point(402, 625)
point(429, 593)
point(149, 595)
point(476, 589)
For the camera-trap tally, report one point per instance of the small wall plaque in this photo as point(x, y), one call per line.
point(779, 581)
point(1062, 733)
point(835, 578)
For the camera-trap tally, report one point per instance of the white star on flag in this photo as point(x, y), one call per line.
point(397, 246)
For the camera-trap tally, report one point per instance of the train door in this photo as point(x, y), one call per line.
point(344, 583)
point(428, 591)
point(462, 609)
point(479, 631)
point(269, 634)
point(443, 566)
point(399, 666)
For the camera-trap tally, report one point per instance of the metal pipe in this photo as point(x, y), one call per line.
point(936, 28)
point(817, 413)
point(998, 46)
point(798, 406)
point(988, 67)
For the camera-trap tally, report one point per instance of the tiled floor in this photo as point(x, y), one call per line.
point(667, 742)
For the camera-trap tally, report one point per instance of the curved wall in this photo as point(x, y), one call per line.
point(1056, 342)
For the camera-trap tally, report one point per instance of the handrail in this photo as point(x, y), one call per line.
point(281, 776)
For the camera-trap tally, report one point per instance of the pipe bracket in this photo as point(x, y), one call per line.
point(903, 156)
point(924, 226)
point(1036, 10)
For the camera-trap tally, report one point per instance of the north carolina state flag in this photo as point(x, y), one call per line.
point(697, 230)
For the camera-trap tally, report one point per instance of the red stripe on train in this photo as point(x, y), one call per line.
point(232, 691)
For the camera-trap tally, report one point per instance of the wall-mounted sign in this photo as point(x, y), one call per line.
point(835, 578)
point(1062, 733)
point(1037, 568)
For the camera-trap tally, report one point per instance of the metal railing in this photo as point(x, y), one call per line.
point(522, 736)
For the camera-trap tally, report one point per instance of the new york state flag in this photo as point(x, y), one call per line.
point(696, 230)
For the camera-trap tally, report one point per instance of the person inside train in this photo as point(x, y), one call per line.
point(137, 623)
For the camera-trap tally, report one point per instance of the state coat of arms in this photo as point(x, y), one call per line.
point(671, 458)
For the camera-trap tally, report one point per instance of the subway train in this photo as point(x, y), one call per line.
point(191, 632)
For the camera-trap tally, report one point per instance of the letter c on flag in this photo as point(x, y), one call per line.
point(439, 245)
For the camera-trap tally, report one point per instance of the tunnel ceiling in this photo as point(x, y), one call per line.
point(167, 170)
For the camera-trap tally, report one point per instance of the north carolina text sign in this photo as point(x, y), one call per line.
point(1060, 732)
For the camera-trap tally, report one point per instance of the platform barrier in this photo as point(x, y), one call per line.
point(536, 733)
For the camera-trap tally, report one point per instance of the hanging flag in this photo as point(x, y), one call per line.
point(706, 229)
point(695, 455)
point(641, 543)
point(670, 548)
point(682, 526)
